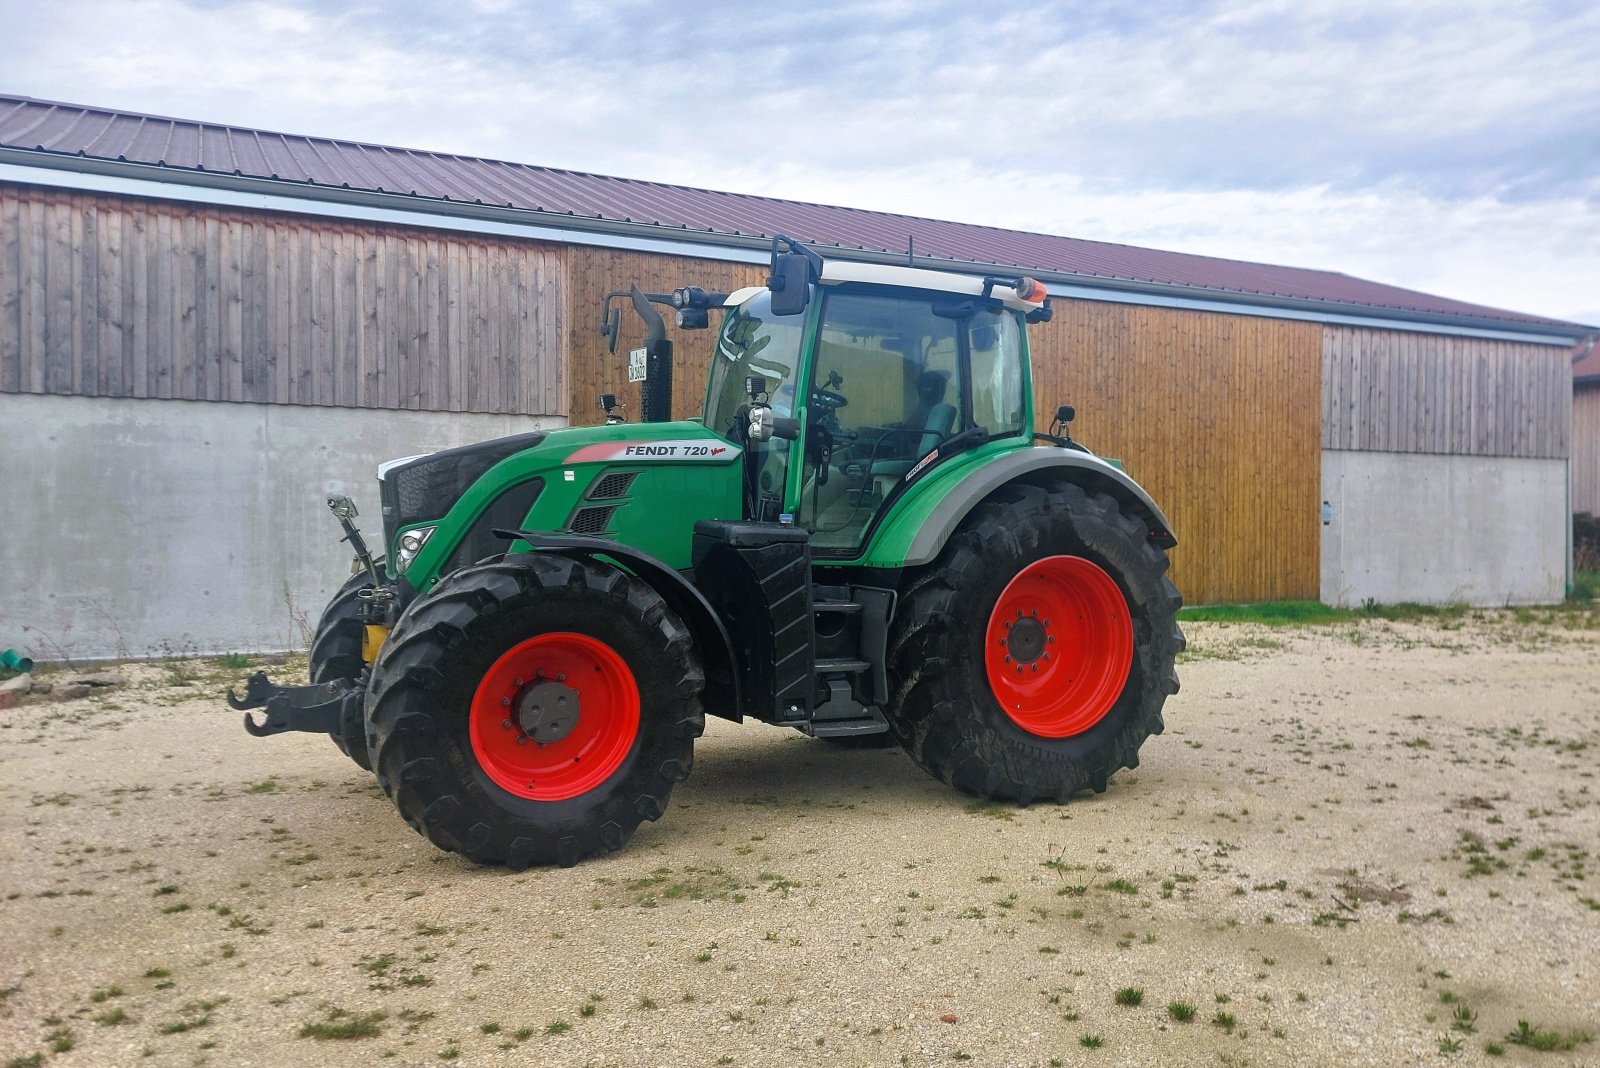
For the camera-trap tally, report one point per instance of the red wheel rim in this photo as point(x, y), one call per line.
point(581, 671)
point(1058, 646)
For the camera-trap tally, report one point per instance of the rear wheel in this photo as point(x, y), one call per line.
point(336, 654)
point(1033, 657)
point(534, 710)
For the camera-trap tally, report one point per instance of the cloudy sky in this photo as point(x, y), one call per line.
point(1451, 146)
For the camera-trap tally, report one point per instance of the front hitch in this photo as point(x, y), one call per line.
point(317, 709)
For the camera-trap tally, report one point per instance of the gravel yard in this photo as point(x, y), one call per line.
point(1361, 843)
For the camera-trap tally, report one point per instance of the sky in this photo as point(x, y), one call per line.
point(1451, 147)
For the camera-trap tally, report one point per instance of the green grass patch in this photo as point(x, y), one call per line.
point(1537, 1038)
point(341, 1024)
point(1310, 613)
point(1585, 587)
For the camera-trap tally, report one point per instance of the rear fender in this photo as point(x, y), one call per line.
point(916, 530)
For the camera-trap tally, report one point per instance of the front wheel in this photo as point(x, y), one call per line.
point(336, 654)
point(1032, 659)
point(534, 710)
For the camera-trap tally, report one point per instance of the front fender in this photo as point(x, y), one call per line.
point(917, 527)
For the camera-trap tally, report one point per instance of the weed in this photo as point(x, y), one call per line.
point(557, 1027)
point(105, 994)
point(1091, 1041)
point(1130, 996)
point(1181, 1011)
point(1448, 1044)
point(341, 1024)
point(112, 1018)
point(1224, 1020)
point(1537, 1038)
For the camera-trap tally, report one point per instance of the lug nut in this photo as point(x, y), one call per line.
point(522, 739)
point(505, 724)
point(505, 702)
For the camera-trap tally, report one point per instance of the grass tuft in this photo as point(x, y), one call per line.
point(342, 1025)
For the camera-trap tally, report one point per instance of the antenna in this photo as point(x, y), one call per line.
point(911, 250)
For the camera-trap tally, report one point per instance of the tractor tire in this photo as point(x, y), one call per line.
point(1033, 657)
point(336, 654)
point(465, 688)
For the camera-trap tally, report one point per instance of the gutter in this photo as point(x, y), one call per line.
point(41, 167)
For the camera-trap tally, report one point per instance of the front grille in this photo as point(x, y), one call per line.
point(426, 487)
point(612, 486)
point(592, 520)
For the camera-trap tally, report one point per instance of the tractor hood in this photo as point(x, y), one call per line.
point(440, 510)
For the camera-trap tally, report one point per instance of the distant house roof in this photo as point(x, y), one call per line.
point(1586, 368)
point(29, 126)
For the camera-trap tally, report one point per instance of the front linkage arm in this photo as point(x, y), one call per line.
point(317, 708)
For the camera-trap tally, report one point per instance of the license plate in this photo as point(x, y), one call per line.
point(636, 365)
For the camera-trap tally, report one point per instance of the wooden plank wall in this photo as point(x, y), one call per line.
point(108, 296)
point(1399, 391)
point(1215, 415)
point(593, 272)
point(1586, 448)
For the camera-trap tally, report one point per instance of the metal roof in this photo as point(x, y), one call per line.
point(60, 130)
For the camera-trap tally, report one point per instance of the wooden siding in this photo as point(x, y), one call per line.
point(107, 296)
point(594, 272)
point(1586, 448)
point(1215, 415)
point(1394, 391)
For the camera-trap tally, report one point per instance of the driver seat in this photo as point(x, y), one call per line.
point(936, 426)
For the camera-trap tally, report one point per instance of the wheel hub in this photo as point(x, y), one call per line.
point(1058, 648)
point(1026, 639)
point(547, 710)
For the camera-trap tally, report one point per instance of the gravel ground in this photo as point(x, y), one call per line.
point(1360, 844)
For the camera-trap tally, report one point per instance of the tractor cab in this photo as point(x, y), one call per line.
point(879, 374)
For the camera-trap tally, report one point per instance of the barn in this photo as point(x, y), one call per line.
point(203, 328)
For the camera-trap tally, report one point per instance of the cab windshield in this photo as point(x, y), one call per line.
point(753, 341)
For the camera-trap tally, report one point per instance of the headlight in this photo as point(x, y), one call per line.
point(411, 543)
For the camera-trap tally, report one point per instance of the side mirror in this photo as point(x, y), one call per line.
point(610, 327)
point(1066, 414)
point(790, 283)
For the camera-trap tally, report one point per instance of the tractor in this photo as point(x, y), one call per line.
point(861, 536)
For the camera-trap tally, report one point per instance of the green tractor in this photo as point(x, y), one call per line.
point(861, 537)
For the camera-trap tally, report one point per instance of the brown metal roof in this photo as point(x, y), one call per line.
point(183, 144)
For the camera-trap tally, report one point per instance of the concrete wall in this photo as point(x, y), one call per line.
point(148, 527)
point(1440, 529)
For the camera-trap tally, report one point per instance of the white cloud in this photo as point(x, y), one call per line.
point(1446, 145)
